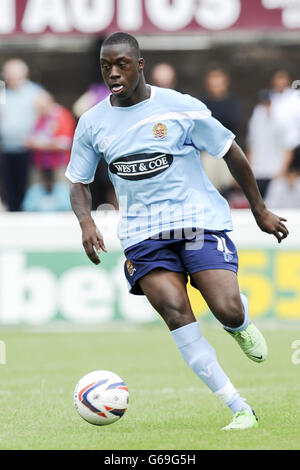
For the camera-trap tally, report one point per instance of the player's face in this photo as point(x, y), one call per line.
point(121, 70)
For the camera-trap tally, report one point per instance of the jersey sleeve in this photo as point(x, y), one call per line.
point(84, 160)
point(208, 134)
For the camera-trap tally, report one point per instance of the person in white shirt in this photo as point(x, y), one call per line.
point(17, 118)
point(285, 100)
point(284, 192)
point(268, 142)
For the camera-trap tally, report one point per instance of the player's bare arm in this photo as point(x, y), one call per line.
point(240, 169)
point(92, 239)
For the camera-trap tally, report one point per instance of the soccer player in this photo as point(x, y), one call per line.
point(174, 223)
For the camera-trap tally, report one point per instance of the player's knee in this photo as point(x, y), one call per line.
point(175, 312)
point(231, 312)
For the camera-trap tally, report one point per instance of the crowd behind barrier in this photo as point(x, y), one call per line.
point(36, 138)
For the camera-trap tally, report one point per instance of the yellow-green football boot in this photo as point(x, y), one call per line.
point(244, 419)
point(251, 342)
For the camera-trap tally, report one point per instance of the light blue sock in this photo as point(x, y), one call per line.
point(238, 403)
point(201, 357)
point(246, 321)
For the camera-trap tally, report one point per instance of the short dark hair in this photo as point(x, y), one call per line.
point(216, 67)
point(123, 38)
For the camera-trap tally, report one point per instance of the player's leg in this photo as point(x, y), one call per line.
point(212, 261)
point(167, 293)
point(220, 289)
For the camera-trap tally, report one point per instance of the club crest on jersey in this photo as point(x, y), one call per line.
point(131, 270)
point(160, 131)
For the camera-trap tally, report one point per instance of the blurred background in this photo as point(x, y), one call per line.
point(240, 57)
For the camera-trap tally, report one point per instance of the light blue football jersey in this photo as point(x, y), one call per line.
point(153, 150)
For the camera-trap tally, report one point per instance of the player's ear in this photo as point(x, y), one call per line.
point(141, 64)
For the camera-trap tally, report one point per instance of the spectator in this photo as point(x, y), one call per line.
point(224, 107)
point(97, 90)
point(286, 107)
point(218, 98)
point(48, 195)
point(102, 189)
point(51, 139)
point(286, 103)
point(267, 146)
point(94, 94)
point(280, 88)
point(284, 192)
point(164, 75)
point(17, 118)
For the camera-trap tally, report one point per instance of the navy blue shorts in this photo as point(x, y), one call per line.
point(207, 250)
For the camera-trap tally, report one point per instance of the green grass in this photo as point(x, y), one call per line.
point(169, 406)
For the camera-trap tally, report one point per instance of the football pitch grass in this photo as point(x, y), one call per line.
point(169, 407)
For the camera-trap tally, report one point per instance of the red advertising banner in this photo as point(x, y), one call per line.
point(37, 17)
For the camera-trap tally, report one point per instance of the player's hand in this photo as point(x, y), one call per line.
point(272, 223)
point(92, 241)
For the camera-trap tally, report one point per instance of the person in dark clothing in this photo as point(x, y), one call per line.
point(225, 108)
point(218, 98)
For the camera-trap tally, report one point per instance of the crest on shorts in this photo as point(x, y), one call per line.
point(131, 270)
point(160, 131)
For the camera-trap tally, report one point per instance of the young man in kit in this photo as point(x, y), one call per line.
point(151, 139)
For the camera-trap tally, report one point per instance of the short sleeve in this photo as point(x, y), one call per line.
point(208, 134)
point(84, 160)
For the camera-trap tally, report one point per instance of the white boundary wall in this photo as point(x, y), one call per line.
point(60, 231)
point(45, 275)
